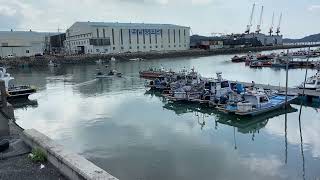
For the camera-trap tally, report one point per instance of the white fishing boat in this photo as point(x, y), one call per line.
point(52, 64)
point(312, 82)
point(14, 91)
point(99, 62)
point(136, 59)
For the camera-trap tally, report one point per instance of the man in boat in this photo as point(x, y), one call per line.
point(253, 84)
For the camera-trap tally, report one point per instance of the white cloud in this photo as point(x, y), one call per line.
point(7, 11)
point(314, 8)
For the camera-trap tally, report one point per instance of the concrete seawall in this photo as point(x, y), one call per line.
point(71, 165)
point(90, 59)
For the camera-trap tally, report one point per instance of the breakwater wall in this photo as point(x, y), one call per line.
point(90, 59)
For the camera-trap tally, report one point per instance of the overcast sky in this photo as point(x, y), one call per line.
point(300, 17)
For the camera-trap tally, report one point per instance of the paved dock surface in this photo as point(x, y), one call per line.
point(22, 168)
point(15, 164)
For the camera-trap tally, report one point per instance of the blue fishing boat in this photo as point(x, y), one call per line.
point(255, 103)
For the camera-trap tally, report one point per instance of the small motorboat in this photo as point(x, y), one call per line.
point(99, 62)
point(52, 64)
point(113, 59)
point(112, 73)
point(239, 58)
point(136, 59)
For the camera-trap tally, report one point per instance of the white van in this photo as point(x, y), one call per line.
point(9, 56)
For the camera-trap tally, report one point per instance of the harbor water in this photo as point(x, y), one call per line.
point(135, 134)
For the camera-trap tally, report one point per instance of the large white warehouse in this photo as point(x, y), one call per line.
point(102, 37)
point(21, 43)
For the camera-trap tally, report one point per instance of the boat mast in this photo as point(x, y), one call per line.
point(250, 20)
point(271, 27)
point(278, 28)
point(260, 22)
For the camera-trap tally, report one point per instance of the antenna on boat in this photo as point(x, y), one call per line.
point(287, 69)
point(260, 22)
point(219, 76)
point(271, 27)
point(250, 20)
point(278, 28)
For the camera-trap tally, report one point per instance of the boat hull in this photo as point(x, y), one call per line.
point(259, 111)
point(20, 94)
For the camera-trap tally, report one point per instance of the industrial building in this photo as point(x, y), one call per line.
point(56, 45)
point(103, 37)
point(21, 43)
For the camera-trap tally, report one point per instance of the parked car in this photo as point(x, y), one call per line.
point(38, 55)
point(9, 56)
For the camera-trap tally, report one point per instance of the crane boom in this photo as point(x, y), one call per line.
point(260, 22)
point(250, 20)
point(271, 27)
point(278, 28)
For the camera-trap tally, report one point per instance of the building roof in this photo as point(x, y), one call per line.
point(116, 24)
point(24, 34)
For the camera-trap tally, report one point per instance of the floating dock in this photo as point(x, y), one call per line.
point(310, 94)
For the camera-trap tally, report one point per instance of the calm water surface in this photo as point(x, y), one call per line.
point(134, 134)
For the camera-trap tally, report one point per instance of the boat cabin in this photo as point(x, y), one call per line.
point(256, 100)
point(313, 82)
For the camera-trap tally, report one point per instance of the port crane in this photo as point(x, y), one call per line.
point(260, 22)
point(278, 28)
point(250, 20)
point(271, 27)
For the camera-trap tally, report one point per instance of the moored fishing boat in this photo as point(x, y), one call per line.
point(255, 103)
point(239, 58)
point(312, 82)
point(266, 56)
point(13, 91)
point(154, 73)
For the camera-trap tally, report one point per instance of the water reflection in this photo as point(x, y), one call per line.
point(24, 103)
point(136, 134)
